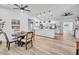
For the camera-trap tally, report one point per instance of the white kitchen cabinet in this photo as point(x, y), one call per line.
point(46, 33)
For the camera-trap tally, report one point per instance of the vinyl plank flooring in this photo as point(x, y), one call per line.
point(43, 46)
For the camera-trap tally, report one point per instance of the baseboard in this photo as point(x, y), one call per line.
point(45, 36)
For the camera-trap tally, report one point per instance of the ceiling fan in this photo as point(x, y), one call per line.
point(21, 7)
point(67, 14)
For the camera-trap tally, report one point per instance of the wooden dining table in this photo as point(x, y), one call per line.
point(20, 36)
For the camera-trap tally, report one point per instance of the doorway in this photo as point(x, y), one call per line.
point(67, 30)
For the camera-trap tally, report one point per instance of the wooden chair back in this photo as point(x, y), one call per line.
point(29, 35)
point(6, 37)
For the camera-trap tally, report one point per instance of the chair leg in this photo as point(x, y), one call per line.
point(8, 46)
point(77, 52)
point(21, 44)
point(18, 43)
point(31, 43)
point(26, 45)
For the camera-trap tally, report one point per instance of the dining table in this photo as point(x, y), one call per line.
point(19, 36)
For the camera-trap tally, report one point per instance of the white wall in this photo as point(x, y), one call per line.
point(8, 14)
point(57, 10)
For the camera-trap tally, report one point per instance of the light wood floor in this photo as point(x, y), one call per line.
point(43, 46)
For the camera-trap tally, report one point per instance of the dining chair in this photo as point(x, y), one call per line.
point(28, 39)
point(8, 41)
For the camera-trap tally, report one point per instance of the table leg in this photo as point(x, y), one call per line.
point(77, 52)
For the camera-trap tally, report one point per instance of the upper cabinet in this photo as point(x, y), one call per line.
point(45, 25)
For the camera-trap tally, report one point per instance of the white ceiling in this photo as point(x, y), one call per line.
point(36, 9)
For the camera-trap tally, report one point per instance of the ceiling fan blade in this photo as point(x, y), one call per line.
point(15, 8)
point(17, 5)
point(25, 6)
point(27, 10)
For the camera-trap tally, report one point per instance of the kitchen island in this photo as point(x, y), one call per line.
point(45, 32)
